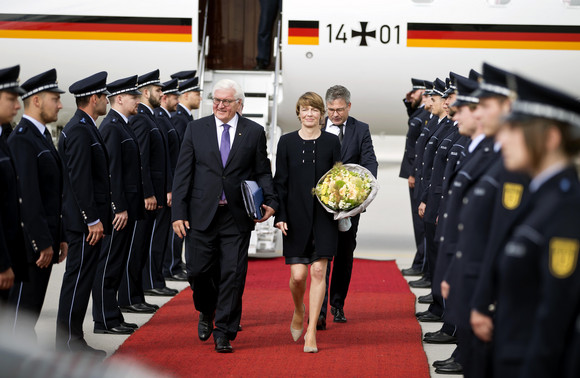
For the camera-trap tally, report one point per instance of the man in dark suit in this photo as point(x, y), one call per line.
point(87, 208)
point(356, 148)
point(152, 149)
point(41, 187)
point(189, 99)
point(128, 205)
point(12, 249)
point(217, 154)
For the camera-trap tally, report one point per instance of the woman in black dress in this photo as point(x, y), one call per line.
point(310, 232)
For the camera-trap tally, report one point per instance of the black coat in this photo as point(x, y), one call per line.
point(426, 134)
point(12, 249)
point(538, 281)
point(124, 166)
point(172, 141)
point(357, 146)
point(417, 121)
point(87, 190)
point(295, 178)
point(200, 176)
point(446, 127)
point(41, 188)
point(180, 119)
point(153, 154)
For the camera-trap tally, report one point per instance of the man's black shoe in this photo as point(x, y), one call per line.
point(427, 299)
point(440, 363)
point(417, 314)
point(222, 345)
point(161, 292)
point(154, 306)
point(204, 326)
point(421, 283)
point(181, 276)
point(119, 330)
point(139, 308)
point(439, 337)
point(321, 323)
point(338, 315)
point(451, 368)
point(130, 325)
point(429, 317)
point(412, 272)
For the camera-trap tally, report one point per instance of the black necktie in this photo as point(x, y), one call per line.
point(47, 135)
point(340, 135)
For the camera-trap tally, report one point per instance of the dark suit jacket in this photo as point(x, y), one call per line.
point(153, 154)
point(124, 165)
point(87, 191)
point(41, 187)
point(200, 176)
point(12, 250)
point(357, 145)
point(180, 119)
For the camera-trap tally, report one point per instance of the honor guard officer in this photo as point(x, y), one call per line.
point(537, 279)
point(87, 208)
point(153, 278)
point(128, 205)
point(357, 148)
point(39, 167)
point(152, 148)
point(189, 100)
point(418, 118)
point(12, 249)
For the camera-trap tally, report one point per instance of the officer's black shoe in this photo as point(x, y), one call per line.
point(421, 283)
point(451, 368)
point(412, 272)
point(130, 325)
point(222, 345)
point(439, 337)
point(417, 314)
point(139, 308)
point(154, 306)
point(119, 330)
point(338, 315)
point(429, 317)
point(428, 299)
point(161, 292)
point(321, 323)
point(204, 326)
point(440, 363)
point(181, 276)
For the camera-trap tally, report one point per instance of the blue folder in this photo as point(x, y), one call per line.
point(253, 199)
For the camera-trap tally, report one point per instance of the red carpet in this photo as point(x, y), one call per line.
point(382, 336)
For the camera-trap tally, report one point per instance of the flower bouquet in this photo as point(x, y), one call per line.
point(346, 190)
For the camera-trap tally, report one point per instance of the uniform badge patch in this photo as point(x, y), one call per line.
point(563, 256)
point(512, 195)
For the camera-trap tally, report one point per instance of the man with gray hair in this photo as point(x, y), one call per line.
point(218, 153)
point(356, 148)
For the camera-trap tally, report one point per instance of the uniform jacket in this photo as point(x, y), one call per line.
point(428, 131)
point(417, 120)
point(124, 166)
point(87, 192)
point(200, 176)
point(41, 188)
point(180, 119)
point(445, 128)
point(172, 141)
point(153, 154)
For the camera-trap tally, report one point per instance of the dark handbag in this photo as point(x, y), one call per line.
point(253, 199)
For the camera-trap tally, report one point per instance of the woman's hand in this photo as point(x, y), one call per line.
point(282, 226)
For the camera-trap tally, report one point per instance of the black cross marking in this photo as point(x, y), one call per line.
point(363, 33)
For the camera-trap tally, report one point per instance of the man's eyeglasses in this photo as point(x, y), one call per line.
point(339, 110)
point(217, 101)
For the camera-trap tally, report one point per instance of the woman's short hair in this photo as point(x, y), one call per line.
point(229, 84)
point(310, 99)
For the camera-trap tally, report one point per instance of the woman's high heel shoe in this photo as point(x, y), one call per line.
point(296, 333)
point(308, 349)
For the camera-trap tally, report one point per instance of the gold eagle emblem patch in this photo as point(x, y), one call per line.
point(512, 195)
point(563, 256)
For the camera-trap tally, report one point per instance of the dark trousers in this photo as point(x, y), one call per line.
point(419, 261)
point(341, 268)
point(431, 247)
point(269, 9)
point(173, 263)
point(475, 354)
point(112, 261)
point(131, 289)
point(220, 251)
point(27, 299)
point(153, 271)
point(77, 283)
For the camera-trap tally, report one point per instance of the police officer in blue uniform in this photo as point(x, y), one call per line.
point(535, 275)
point(12, 249)
point(41, 187)
point(153, 152)
point(87, 208)
point(127, 203)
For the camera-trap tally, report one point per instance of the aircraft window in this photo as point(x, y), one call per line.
point(498, 2)
point(422, 1)
point(572, 3)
